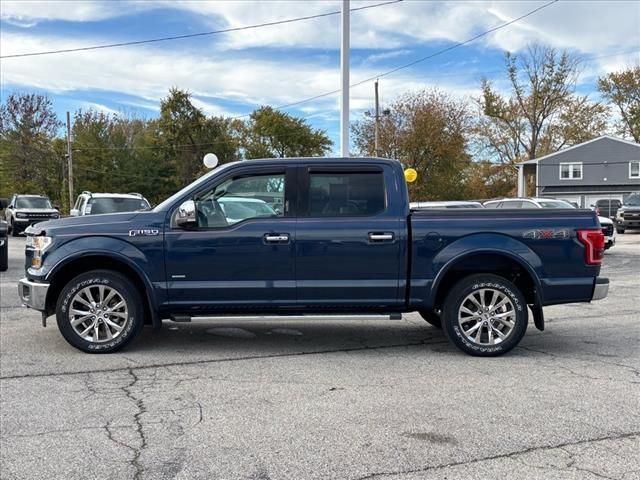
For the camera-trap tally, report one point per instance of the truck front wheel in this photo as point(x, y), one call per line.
point(100, 311)
point(485, 315)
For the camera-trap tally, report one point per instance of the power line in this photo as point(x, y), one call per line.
point(410, 64)
point(192, 35)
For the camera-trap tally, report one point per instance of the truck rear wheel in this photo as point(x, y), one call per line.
point(100, 311)
point(485, 315)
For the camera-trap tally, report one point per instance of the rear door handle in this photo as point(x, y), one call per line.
point(381, 237)
point(276, 237)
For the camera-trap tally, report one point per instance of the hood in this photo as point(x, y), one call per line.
point(605, 221)
point(83, 224)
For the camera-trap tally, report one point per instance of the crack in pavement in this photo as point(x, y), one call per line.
point(142, 444)
point(498, 457)
point(223, 360)
point(634, 370)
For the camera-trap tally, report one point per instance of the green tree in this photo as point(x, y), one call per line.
point(542, 113)
point(185, 135)
point(427, 131)
point(270, 133)
point(622, 90)
point(28, 125)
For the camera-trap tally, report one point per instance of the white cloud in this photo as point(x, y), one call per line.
point(30, 13)
point(148, 74)
point(99, 107)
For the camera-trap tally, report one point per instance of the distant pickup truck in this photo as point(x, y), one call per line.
point(339, 238)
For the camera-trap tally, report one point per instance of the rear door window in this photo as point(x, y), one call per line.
point(346, 194)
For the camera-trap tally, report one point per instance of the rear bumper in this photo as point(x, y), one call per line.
point(600, 289)
point(32, 294)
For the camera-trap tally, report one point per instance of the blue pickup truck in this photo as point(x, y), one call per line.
point(308, 237)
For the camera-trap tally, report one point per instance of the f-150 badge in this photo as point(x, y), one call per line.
point(144, 232)
point(546, 234)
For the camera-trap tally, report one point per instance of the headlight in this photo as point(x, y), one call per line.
point(54, 215)
point(39, 242)
point(21, 215)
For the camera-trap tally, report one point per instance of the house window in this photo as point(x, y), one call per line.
point(634, 169)
point(571, 171)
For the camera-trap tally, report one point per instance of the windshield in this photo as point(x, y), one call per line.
point(33, 202)
point(167, 203)
point(102, 205)
point(633, 200)
point(555, 204)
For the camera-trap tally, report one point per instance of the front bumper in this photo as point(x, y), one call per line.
point(32, 294)
point(600, 289)
point(628, 223)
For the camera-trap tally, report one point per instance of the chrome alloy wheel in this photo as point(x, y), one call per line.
point(487, 317)
point(98, 313)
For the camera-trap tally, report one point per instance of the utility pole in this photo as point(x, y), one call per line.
point(377, 121)
point(69, 161)
point(344, 77)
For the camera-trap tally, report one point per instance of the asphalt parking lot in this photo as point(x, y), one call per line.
point(350, 400)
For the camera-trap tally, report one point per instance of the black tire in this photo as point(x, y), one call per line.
point(456, 298)
point(432, 318)
point(124, 288)
point(14, 230)
point(619, 230)
point(4, 256)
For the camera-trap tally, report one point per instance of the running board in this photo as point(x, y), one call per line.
point(390, 316)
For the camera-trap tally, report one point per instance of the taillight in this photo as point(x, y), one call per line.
point(597, 210)
point(593, 241)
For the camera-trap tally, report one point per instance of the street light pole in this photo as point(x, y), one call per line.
point(69, 161)
point(377, 121)
point(344, 77)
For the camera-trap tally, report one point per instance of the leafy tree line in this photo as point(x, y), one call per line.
point(119, 153)
point(461, 149)
point(469, 150)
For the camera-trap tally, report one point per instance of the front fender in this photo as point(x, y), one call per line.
point(113, 248)
point(486, 243)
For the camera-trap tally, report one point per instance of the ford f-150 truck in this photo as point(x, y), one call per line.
point(339, 238)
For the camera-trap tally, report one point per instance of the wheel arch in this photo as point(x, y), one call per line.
point(74, 265)
point(494, 261)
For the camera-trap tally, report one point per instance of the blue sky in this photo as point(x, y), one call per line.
point(234, 73)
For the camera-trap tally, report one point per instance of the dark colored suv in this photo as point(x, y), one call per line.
point(628, 216)
point(607, 208)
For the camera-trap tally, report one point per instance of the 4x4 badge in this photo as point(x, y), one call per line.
point(545, 234)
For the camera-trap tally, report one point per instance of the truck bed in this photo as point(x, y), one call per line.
point(446, 240)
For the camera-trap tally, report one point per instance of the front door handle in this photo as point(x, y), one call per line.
point(381, 237)
point(276, 237)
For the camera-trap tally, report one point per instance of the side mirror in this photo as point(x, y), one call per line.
point(74, 212)
point(186, 216)
point(3, 203)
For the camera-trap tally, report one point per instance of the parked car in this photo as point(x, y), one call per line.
point(533, 202)
point(4, 239)
point(448, 204)
point(25, 210)
point(607, 208)
point(628, 215)
point(345, 241)
point(89, 203)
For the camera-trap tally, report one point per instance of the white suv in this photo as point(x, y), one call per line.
point(533, 202)
point(98, 203)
